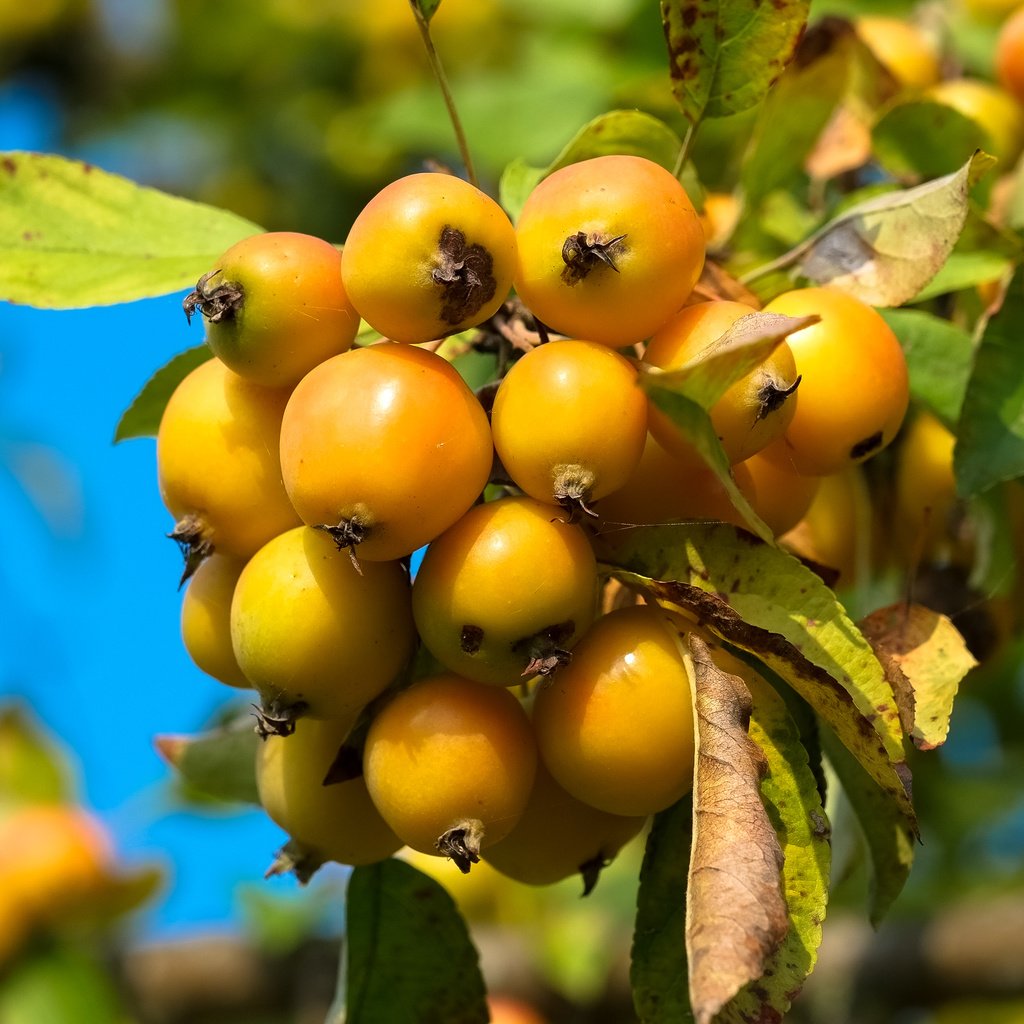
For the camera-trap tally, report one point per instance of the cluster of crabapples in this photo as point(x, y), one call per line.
point(304, 471)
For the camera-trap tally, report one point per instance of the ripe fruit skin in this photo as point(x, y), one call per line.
point(631, 212)
point(559, 836)
point(390, 438)
point(754, 411)
point(217, 459)
point(615, 726)
point(505, 572)
point(206, 619)
point(854, 388)
point(428, 256)
point(292, 312)
point(447, 751)
point(569, 422)
point(903, 48)
point(1010, 55)
point(336, 822)
point(307, 627)
point(996, 112)
point(52, 857)
point(779, 496)
point(669, 488)
point(925, 486)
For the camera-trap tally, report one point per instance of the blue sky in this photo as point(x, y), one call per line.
point(89, 633)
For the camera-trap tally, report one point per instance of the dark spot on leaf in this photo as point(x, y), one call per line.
point(10, 166)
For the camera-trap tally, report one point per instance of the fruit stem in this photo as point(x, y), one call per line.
point(423, 24)
point(684, 149)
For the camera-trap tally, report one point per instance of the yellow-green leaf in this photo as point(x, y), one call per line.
point(72, 235)
point(765, 601)
point(925, 658)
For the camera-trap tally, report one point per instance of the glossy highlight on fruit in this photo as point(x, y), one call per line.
point(274, 306)
point(854, 387)
point(569, 423)
point(428, 256)
point(450, 765)
point(506, 592)
point(218, 462)
point(615, 726)
point(608, 249)
point(385, 447)
point(312, 633)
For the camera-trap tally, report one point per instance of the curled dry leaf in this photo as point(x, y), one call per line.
point(924, 657)
point(736, 915)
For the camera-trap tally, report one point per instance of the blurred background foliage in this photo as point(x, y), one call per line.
point(294, 113)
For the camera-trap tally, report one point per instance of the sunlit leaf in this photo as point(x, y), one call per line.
point(965, 270)
point(768, 603)
point(889, 838)
point(72, 235)
point(724, 55)
point(925, 659)
point(658, 973)
point(142, 417)
point(939, 358)
point(736, 915)
point(219, 764)
point(410, 957)
point(886, 249)
point(990, 435)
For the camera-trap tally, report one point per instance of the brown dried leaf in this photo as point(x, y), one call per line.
point(736, 914)
point(717, 283)
point(924, 657)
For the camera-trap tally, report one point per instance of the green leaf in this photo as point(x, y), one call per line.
point(790, 794)
point(764, 601)
point(904, 139)
point(964, 270)
point(659, 973)
point(797, 111)
point(889, 838)
point(990, 436)
point(62, 985)
point(410, 957)
point(886, 249)
point(72, 235)
point(627, 132)
point(32, 768)
point(142, 417)
point(724, 55)
point(939, 358)
point(220, 764)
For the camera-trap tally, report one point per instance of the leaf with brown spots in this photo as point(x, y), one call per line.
point(790, 794)
point(736, 915)
point(724, 55)
point(924, 657)
point(764, 601)
point(410, 957)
